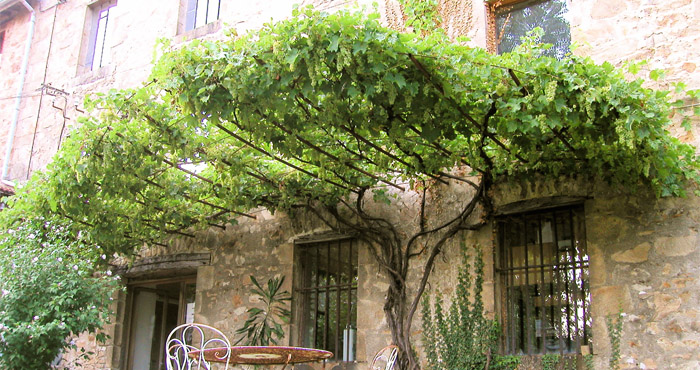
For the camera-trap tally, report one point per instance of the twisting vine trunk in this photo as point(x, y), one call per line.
point(394, 256)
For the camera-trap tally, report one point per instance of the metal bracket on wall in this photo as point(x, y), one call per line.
point(53, 91)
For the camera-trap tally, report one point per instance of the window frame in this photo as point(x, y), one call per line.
point(91, 32)
point(146, 285)
point(303, 295)
point(578, 263)
point(492, 8)
point(188, 16)
point(2, 40)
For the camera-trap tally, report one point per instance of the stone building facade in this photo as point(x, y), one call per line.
point(642, 253)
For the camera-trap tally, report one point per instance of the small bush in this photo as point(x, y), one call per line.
point(48, 292)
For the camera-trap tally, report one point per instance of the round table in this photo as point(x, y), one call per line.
point(264, 355)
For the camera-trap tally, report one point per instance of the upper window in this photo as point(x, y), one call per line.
point(100, 34)
point(2, 40)
point(327, 297)
point(201, 12)
point(543, 271)
point(515, 20)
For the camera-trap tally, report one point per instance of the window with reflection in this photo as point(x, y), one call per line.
point(157, 307)
point(515, 20)
point(201, 12)
point(327, 293)
point(543, 271)
point(100, 29)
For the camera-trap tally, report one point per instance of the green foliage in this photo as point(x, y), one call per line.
point(321, 106)
point(509, 362)
point(421, 15)
point(588, 361)
point(614, 325)
point(48, 293)
point(460, 338)
point(264, 325)
point(550, 361)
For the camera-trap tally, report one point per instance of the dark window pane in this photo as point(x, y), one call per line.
point(515, 21)
point(544, 270)
point(328, 293)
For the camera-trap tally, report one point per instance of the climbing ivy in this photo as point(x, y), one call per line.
point(421, 15)
point(460, 337)
point(614, 324)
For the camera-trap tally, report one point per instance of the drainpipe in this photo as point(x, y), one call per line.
point(18, 99)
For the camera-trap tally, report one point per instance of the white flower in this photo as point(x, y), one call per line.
point(31, 236)
point(5, 292)
point(75, 267)
point(623, 314)
point(11, 231)
point(109, 272)
point(104, 257)
point(59, 259)
point(36, 318)
point(2, 326)
point(35, 259)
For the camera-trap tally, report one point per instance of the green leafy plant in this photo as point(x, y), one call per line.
point(48, 292)
point(264, 325)
point(614, 324)
point(550, 361)
point(588, 362)
point(421, 15)
point(461, 337)
point(508, 362)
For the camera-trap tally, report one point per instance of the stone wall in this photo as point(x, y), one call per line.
point(643, 251)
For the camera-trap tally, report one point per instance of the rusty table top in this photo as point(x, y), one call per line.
point(265, 355)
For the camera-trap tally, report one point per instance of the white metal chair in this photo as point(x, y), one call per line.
point(186, 338)
point(385, 359)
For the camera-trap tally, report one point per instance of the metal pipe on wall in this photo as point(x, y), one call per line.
point(18, 99)
point(43, 88)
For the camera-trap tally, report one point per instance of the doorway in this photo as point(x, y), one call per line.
point(157, 307)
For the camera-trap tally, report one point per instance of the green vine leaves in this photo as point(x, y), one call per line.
point(321, 106)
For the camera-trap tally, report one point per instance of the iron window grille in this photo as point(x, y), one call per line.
point(328, 296)
point(515, 20)
point(543, 271)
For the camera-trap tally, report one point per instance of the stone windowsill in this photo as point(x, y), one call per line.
point(198, 32)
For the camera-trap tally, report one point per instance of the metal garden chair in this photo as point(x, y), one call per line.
point(188, 344)
point(385, 359)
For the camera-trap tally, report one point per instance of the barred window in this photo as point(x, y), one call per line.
point(515, 20)
point(543, 271)
point(328, 296)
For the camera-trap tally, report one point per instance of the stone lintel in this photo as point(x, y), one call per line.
point(538, 204)
point(153, 267)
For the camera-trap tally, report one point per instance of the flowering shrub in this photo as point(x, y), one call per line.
point(48, 292)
